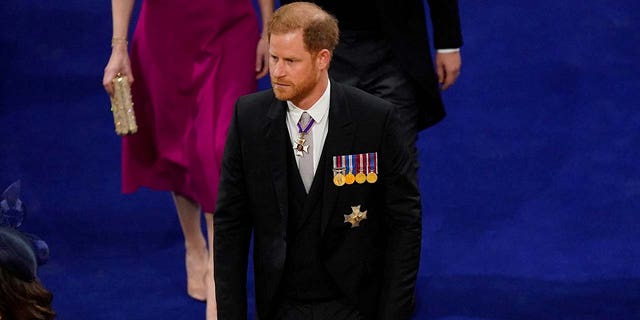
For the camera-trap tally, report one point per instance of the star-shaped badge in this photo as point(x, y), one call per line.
point(355, 217)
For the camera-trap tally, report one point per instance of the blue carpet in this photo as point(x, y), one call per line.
point(531, 185)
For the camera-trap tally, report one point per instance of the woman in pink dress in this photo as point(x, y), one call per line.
point(190, 60)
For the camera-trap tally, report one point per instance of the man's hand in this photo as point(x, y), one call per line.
point(448, 68)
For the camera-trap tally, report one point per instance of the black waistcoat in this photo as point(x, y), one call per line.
point(305, 278)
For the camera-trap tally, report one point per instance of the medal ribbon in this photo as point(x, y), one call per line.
point(307, 128)
point(372, 159)
point(354, 158)
point(366, 167)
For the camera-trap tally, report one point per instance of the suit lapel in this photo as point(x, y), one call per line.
point(277, 136)
point(339, 141)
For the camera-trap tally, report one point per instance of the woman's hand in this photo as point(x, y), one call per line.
point(118, 63)
point(262, 57)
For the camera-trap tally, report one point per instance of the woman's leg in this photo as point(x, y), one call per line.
point(212, 309)
point(195, 245)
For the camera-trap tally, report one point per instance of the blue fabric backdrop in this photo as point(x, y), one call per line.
point(531, 185)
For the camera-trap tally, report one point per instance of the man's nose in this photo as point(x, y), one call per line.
point(277, 70)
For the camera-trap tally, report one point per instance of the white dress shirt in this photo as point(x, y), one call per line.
point(319, 111)
point(448, 50)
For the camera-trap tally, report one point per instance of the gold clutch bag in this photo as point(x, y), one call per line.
point(122, 106)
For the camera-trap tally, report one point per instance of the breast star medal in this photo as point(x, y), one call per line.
point(355, 217)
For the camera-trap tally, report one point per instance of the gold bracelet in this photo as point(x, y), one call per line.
point(116, 40)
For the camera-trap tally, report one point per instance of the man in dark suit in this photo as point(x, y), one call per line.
point(317, 171)
point(384, 50)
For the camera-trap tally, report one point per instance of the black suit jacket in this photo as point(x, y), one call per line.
point(374, 265)
point(403, 24)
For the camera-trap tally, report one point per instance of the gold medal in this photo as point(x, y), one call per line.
point(349, 178)
point(372, 177)
point(361, 178)
point(338, 180)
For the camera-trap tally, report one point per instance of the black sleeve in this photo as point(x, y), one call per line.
point(445, 19)
point(232, 230)
point(403, 220)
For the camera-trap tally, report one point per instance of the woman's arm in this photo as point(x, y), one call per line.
point(119, 60)
point(262, 51)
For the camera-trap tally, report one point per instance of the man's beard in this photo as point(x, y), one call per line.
point(293, 92)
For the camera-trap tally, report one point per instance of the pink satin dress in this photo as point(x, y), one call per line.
point(191, 60)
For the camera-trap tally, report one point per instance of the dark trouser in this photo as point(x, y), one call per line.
point(327, 310)
point(366, 62)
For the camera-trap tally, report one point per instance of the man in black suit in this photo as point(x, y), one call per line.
point(317, 171)
point(384, 50)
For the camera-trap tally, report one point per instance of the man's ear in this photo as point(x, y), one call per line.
point(323, 59)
